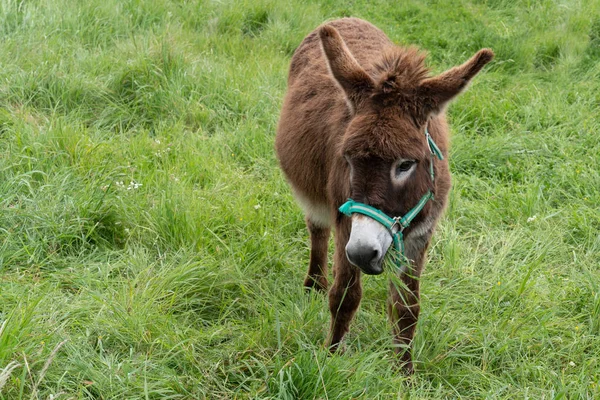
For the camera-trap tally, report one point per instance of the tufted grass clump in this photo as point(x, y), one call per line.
point(150, 247)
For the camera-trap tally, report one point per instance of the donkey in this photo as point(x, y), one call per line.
point(362, 120)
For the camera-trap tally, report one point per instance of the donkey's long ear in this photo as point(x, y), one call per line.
point(357, 84)
point(436, 92)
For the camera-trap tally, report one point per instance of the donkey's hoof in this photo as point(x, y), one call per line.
point(336, 348)
point(406, 368)
point(316, 284)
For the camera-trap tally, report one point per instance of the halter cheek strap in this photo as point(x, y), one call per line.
point(396, 225)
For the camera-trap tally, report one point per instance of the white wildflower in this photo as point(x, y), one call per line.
point(531, 219)
point(133, 185)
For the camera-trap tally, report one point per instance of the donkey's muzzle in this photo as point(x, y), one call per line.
point(369, 241)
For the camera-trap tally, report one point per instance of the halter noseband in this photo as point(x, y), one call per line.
point(396, 225)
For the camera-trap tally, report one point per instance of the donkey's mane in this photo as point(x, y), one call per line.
point(400, 69)
point(397, 76)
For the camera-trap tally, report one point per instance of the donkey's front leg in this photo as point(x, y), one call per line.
point(317, 269)
point(403, 310)
point(346, 291)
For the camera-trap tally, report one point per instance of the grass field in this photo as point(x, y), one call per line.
point(150, 247)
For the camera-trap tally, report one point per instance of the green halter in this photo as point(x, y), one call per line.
point(350, 207)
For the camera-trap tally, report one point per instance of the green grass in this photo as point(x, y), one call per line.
point(150, 247)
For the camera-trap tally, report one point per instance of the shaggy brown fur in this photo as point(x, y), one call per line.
point(355, 100)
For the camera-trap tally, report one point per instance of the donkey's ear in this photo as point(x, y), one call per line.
point(436, 92)
point(357, 84)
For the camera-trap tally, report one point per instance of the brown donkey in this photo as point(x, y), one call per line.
point(361, 120)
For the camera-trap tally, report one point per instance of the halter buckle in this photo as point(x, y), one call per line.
point(433, 149)
point(401, 226)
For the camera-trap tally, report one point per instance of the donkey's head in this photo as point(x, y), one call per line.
point(385, 142)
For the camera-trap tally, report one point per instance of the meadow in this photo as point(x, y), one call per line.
point(150, 247)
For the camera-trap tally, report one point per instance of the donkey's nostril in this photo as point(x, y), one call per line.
point(375, 255)
point(363, 257)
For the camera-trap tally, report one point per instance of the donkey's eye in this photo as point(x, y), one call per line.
point(404, 166)
point(401, 170)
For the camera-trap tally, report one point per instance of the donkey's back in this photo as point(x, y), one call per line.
point(365, 41)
